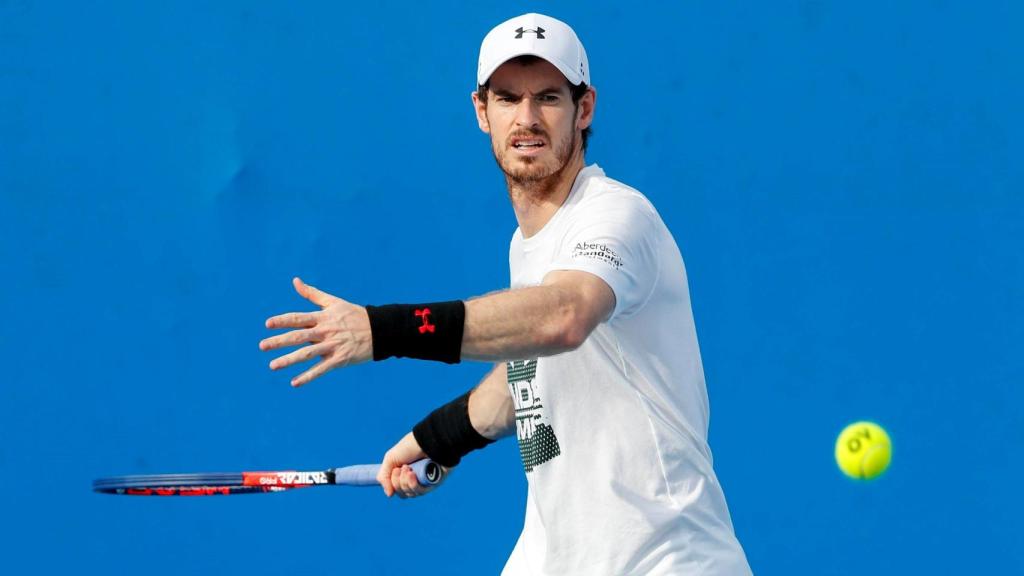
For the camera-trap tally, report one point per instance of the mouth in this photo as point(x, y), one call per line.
point(528, 146)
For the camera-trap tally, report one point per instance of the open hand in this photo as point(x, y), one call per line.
point(339, 334)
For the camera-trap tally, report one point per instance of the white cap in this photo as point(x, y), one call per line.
point(536, 35)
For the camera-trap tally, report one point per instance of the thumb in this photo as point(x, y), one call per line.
point(384, 475)
point(314, 295)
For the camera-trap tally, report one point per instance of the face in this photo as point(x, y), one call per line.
point(534, 125)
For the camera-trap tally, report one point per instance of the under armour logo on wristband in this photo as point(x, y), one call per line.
point(539, 32)
point(427, 326)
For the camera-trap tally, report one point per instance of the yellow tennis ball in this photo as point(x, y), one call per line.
point(863, 450)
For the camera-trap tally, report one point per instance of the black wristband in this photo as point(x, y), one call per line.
point(423, 331)
point(446, 435)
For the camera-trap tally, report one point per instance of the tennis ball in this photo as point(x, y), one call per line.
point(863, 450)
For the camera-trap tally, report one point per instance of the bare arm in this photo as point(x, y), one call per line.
point(490, 407)
point(544, 320)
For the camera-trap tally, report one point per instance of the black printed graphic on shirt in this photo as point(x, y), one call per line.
point(597, 251)
point(537, 440)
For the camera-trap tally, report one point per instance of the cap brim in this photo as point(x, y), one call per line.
point(570, 73)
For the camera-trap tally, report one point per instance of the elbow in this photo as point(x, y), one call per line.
point(570, 320)
point(575, 333)
point(568, 332)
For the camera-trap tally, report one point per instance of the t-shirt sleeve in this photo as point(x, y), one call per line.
point(616, 240)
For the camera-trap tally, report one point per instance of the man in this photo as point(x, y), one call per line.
point(597, 369)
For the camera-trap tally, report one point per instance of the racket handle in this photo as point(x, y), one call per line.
point(428, 472)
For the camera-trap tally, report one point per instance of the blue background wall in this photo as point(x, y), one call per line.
point(845, 182)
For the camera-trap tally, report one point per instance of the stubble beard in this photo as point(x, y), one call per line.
point(533, 178)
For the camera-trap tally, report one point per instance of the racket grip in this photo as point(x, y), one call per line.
point(428, 472)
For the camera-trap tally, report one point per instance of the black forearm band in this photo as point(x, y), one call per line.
point(423, 331)
point(446, 435)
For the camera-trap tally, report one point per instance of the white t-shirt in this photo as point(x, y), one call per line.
point(613, 435)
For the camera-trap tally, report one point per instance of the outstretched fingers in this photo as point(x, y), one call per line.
point(293, 338)
point(314, 295)
point(301, 355)
point(319, 369)
point(293, 320)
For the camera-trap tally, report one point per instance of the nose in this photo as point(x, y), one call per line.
point(526, 113)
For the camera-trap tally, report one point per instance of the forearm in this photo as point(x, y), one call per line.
point(544, 320)
point(524, 323)
point(491, 411)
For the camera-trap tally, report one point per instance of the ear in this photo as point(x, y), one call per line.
point(481, 113)
point(585, 113)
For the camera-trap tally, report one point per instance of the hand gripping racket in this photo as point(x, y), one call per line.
point(427, 472)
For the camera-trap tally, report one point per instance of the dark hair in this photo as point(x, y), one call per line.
point(576, 90)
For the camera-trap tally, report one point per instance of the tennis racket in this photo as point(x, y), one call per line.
point(427, 472)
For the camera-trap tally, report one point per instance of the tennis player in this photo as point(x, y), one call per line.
point(597, 369)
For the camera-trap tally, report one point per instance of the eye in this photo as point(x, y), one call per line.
point(547, 98)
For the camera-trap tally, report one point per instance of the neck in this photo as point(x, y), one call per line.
point(536, 202)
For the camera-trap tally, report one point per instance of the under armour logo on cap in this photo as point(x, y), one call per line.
point(551, 40)
point(538, 31)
